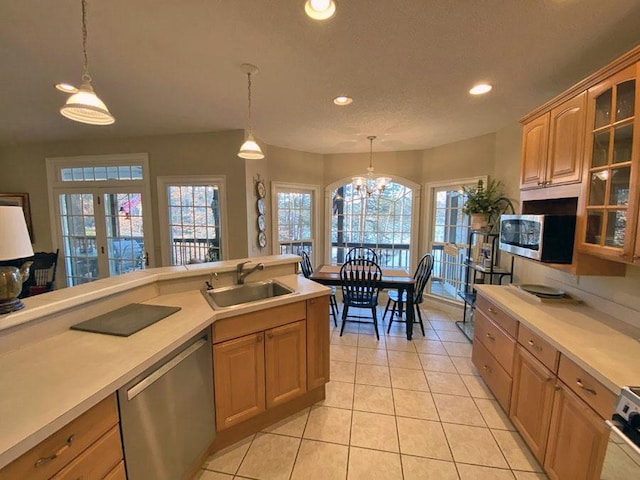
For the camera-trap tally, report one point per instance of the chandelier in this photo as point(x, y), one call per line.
point(370, 184)
point(83, 105)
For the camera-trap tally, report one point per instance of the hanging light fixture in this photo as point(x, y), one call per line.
point(369, 184)
point(320, 9)
point(84, 105)
point(250, 149)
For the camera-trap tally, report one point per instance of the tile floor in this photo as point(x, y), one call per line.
point(394, 410)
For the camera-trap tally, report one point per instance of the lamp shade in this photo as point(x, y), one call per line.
point(14, 237)
point(86, 107)
point(250, 149)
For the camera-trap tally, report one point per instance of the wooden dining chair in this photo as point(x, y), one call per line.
point(359, 282)
point(421, 276)
point(362, 252)
point(307, 270)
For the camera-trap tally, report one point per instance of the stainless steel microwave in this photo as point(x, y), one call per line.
point(546, 238)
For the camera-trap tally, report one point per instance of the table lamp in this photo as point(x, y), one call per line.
point(14, 244)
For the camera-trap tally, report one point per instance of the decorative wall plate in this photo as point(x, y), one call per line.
point(261, 223)
point(260, 189)
point(261, 207)
point(262, 240)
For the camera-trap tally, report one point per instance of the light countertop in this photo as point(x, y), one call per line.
point(590, 338)
point(47, 383)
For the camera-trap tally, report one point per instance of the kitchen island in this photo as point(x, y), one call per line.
point(50, 375)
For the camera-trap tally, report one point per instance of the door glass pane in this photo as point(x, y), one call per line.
point(598, 188)
point(625, 100)
point(125, 238)
point(594, 227)
point(79, 238)
point(603, 109)
point(616, 226)
point(620, 186)
point(623, 137)
point(600, 149)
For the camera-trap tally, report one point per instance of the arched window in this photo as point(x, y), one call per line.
point(381, 221)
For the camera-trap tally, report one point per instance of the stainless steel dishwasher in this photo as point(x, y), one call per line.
point(167, 414)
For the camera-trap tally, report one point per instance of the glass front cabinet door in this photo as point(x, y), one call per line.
point(611, 189)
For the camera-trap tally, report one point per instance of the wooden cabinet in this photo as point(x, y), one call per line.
point(552, 146)
point(267, 360)
point(531, 400)
point(494, 347)
point(608, 211)
point(88, 447)
point(577, 439)
point(239, 379)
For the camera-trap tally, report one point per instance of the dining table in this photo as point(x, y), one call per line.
point(397, 278)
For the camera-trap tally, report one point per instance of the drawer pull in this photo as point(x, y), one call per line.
point(533, 345)
point(490, 337)
point(487, 369)
point(56, 454)
point(491, 310)
point(585, 388)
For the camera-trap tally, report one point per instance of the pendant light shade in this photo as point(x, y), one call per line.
point(320, 9)
point(84, 106)
point(250, 150)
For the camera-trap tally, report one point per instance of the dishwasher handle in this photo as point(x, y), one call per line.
point(146, 382)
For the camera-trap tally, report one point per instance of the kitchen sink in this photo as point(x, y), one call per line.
point(249, 292)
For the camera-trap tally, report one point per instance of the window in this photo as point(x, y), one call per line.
point(449, 233)
point(294, 218)
point(193, 220)
point(100, 215)
point(382, 222)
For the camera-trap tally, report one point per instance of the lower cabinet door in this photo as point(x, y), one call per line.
point(577, 439)
point(318, 339)
point(286, 363)
point(239, 380)
point(531, 401)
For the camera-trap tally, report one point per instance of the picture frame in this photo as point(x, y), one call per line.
point(19, 200)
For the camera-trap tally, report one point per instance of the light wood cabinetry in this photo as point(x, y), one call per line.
point(274, 358)
point(577, 439)
point(531, 400)
point(609, 207)
point(88, 447)
point(552, 146)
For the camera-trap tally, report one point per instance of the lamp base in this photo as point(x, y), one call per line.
point(11, 305)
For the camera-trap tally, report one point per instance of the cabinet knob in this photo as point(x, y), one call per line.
point(584, 387)
point(540, 184)
point(259, 339)
point(269, 335)
point(487, 368)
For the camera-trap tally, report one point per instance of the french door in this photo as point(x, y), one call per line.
point(101, 232)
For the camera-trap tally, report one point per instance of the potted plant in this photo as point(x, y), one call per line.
point(484, 203)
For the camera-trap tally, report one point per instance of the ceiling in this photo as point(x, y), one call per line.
point(166, 66)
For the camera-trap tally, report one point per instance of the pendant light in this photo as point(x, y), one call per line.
point(320, 9)
point(250, 149)
point(84, 106)
point(370, 184)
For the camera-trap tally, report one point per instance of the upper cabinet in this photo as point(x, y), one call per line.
point(552, 146)
point(609, 208)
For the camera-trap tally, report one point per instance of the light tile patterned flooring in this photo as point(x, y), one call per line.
point(394, 410)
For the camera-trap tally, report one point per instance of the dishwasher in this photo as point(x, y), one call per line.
point(167, 414)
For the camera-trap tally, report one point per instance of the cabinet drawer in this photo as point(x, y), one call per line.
point(596, 395)
point(52, 454)
point(241, 325)
point(118, 473)
point(506, 322)
point(539, 348)
point(496, 377)
point(500, 345)
point(96, 461)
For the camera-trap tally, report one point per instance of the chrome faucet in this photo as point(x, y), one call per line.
point(242, 274)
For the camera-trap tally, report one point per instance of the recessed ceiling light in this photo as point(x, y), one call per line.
point(320, 9)
point(66, 88)
point(480, 89)
point(342, 100)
